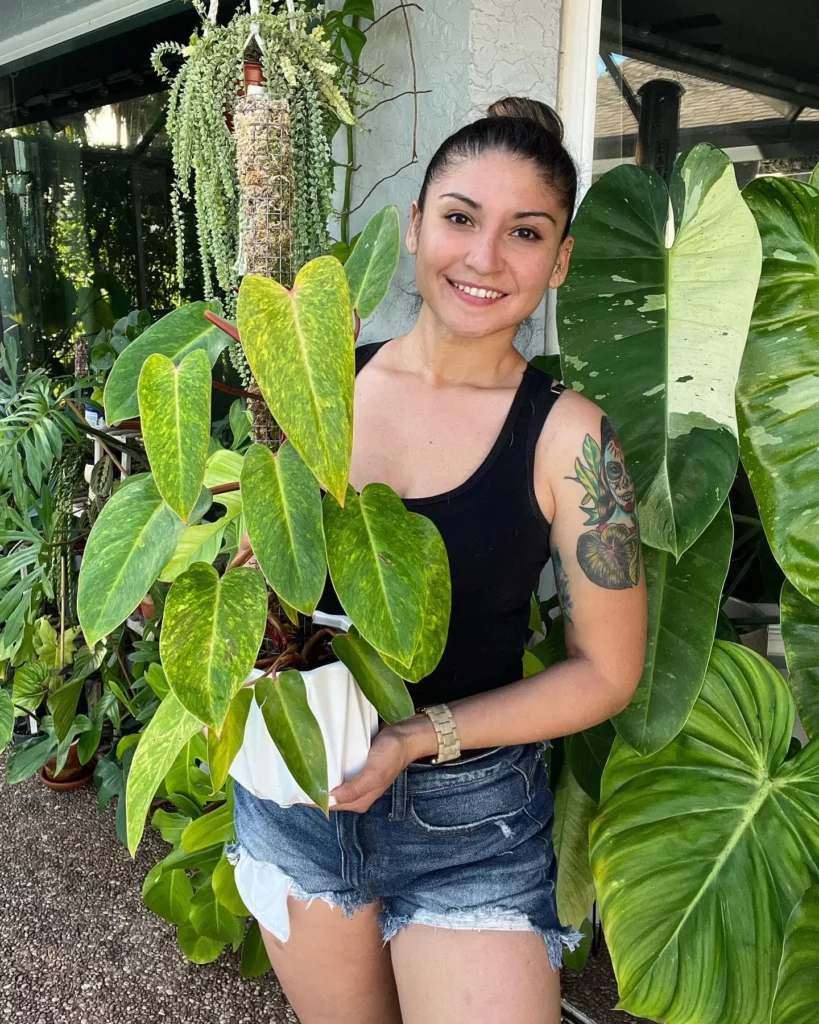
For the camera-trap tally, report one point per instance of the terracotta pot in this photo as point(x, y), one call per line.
point(253, 73)
point(147, 607)
point(73, 774)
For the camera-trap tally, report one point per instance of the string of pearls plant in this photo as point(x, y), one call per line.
point(299, 68)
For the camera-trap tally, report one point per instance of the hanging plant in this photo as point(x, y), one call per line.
point(300, 69)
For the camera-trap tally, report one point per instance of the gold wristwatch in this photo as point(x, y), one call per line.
point(449, 742)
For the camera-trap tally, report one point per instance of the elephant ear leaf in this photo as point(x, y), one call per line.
point(656, 334)
point(796, 988)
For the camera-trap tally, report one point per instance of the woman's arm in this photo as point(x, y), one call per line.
point(585, 490)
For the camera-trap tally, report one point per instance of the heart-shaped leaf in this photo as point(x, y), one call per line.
point(295, 731)
point(211, 918)
point(779, 381)
point(373, 261)
point(176, 334)
point(133, 538)
point(382, 687)
point(300, 346)
point(170, 896)
point(796, 988)
point(63, 706)
point(800, 635)
point(683, 602)
point(198, 948)
point(377, 568)
point(159, 745)
point(174, 406)
point(656, 334)
point(282, 506)
point(437, 603)
point(211, 634)
point(701, 850)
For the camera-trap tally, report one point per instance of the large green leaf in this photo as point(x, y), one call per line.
point(6, 718)
point(574, 810)
point(373, 261)
point(133, 538)
point(176, 334)
point(797, 989)
point(800, 635)
point(165, 735)
point(295, 731)
point(377, 568)
point(63, 706)
point(683, 604)
point(211, 634)
point(300, 346)
point(282, 506)
point(778, 392)
point(587, 753)
point(701, 850)
point(222, 749)
point(174, 405)
point(383, 688)
point(170, 896)
point(437, 603)
point(656, 334)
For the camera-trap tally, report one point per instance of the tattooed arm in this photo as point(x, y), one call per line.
point(584, 489)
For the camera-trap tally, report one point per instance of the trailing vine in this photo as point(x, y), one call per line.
point(300, 68)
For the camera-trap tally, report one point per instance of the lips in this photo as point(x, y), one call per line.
point(489, 299)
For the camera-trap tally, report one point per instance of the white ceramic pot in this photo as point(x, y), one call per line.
point(348, 722)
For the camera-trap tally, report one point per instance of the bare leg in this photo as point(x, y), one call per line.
point(335, 969)
point(446, 976)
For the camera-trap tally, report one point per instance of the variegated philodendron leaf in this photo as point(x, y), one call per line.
point(377, 568)
point(133, 538)
point(211, 634)
point(174, 405)
point(282, 506)
point(382, 687)
point(175, 335)
point(656, 334)
point(778, 391)
point(299, 344)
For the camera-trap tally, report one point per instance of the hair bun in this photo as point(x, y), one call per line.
point(528, 110)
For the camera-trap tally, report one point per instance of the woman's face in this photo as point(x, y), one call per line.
point(491, 225)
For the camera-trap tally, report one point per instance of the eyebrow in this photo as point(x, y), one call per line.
point(477, 206)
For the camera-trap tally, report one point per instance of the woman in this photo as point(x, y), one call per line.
point(428, 897)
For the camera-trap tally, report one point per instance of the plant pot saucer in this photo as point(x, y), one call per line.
point(59, 784)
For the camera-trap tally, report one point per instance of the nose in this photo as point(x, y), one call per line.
point(484, 256)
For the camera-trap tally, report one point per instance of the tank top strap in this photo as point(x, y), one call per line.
point(364, 353)
point(545, 392)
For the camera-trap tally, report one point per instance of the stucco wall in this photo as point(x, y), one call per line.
point(467, 53)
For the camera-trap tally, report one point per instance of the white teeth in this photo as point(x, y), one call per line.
point(479, 293)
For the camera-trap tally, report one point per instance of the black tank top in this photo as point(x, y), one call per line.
point(497, 540)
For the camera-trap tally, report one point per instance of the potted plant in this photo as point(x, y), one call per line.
point(696, 804)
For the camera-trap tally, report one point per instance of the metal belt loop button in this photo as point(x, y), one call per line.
point(398, 811)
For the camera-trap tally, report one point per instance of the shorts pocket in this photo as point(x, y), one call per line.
point(464, 809)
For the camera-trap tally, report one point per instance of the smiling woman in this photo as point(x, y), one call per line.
point(452, 864)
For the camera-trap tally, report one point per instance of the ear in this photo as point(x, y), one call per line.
point(413, 229)
point(561, 267)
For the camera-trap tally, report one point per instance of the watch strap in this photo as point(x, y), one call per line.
point(446, 729)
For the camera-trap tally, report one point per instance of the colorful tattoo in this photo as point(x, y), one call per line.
point(610, 553)
point(562, 584)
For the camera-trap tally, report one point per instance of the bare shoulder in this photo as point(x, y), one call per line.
point(572, 419)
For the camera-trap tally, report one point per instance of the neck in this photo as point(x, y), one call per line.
point(440, 357)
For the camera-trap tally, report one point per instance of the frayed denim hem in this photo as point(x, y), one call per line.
point(484, 919)
point(264, 889)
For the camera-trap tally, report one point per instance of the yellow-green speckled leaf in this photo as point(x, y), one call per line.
point(202, 543)
point(437, 603)
point(222, 749)
point(299, 344)
point(282, 506)
point(133, 538)
point(165, 735)
point(377, 568)
point(211, 634)
point(174, 406)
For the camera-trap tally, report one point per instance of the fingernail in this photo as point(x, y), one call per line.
point(332, 801)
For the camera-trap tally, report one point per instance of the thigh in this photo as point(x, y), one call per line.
point(335, 969)
point(448, 976)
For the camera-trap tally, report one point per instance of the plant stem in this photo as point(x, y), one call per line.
point(350, 168)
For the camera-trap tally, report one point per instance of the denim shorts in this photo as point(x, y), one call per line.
point(464, 845)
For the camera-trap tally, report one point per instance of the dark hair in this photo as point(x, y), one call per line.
point(522, 127)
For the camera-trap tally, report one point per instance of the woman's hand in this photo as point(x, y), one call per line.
point(393, 748)
point(244, 555)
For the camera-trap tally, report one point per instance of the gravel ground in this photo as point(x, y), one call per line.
point(78, 945)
